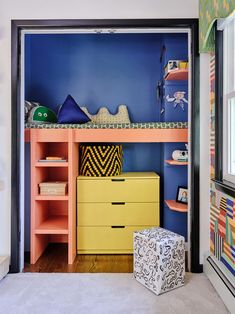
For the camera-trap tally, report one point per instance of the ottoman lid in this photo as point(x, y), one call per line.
point(159, 234)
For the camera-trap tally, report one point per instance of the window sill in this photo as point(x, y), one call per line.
point(225, 187)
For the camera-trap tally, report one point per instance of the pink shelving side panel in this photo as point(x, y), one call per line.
point(73, 157)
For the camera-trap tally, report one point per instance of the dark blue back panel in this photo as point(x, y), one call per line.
point(176, 222)
point(173, 109)
point(97, 70)
point(28, 68)
point(142, 157)
point(176, 47)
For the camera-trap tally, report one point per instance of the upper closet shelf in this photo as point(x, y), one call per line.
point(177, 75)
point(130, 133)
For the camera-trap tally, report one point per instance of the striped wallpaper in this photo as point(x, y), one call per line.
point(222, 207)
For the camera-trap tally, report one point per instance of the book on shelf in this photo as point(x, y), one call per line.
point(52, 160)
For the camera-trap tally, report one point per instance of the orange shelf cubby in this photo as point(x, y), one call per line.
point(53, 225)
point(176, 163)
point(177, 75)
point(179, 207)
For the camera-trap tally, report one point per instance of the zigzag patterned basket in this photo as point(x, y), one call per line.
point(100, 160)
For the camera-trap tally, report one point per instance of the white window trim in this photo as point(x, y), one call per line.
point(227, 176)
point(227, 97)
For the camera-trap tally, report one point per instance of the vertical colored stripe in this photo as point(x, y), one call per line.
point(228, 264)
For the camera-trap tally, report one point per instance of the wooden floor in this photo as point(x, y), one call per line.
point(54, 260)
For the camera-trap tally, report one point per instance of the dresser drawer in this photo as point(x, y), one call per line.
point(116, 189)
point(110, 214)
point(106, 239)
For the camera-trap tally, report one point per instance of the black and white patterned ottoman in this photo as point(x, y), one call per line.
point(159, 259)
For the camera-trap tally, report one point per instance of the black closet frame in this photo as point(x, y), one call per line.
point(19, 25)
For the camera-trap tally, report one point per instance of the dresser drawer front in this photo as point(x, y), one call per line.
point(106, 238)
point(110, 214)
point(113, 190)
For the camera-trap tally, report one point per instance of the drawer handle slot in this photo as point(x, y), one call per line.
point(117, 180)
point(118, 203)
point(117, 227)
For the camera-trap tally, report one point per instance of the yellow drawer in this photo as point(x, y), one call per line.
point(118, 189)
point(106, 239)
point(111, 214)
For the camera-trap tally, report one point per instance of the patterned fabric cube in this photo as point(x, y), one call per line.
point(159, 259)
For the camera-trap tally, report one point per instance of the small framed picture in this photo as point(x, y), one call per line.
point(182, 195)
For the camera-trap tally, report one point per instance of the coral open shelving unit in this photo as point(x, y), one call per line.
point(53, 218)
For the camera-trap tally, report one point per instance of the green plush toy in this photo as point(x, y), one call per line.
point(42, 114)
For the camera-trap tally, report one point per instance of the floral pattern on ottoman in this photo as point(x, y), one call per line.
point(159, 259)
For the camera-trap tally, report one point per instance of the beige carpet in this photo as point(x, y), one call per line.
point(31, 293)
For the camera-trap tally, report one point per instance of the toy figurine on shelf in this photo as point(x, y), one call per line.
point(180, 155)
point(178, 99)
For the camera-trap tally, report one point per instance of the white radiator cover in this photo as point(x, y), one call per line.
point(223, 282)
point(4, 266)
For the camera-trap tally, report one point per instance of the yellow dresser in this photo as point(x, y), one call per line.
point(110, 209)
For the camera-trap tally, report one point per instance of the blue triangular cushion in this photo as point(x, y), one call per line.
point(70, 112)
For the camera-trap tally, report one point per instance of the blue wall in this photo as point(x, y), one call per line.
point(176, 47)
point(100, 70)
point(174, 176)
point(97, 70)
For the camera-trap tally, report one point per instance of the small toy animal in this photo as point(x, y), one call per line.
point(178, 99)
point(41, 114)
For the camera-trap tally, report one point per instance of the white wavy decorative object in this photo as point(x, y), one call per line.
point(104, 116)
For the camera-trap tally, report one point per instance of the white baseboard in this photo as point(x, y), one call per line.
point(4, 266)
point(222, 281)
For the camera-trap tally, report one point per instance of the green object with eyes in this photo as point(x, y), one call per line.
point(42, 114)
